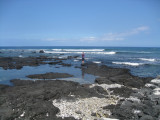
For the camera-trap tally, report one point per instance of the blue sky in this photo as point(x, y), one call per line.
point(80, 23)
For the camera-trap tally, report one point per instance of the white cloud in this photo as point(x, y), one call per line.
point(117, 36)
point(106, 37)
point(88, 39)
point(142, 28)
point(112, 36)
point(139, 29)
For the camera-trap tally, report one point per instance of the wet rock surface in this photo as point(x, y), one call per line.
point(108, 75)
point(126, 97)
point(41, 51)
point(140, 97)
point(50, 75)
point(19, 62)
point(143, 104)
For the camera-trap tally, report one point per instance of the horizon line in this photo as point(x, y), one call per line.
point(76, 46)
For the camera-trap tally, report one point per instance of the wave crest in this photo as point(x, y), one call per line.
point(128, 63)
point(97, 62)
point(147, 59)
point(63, 52)
point(78, 50)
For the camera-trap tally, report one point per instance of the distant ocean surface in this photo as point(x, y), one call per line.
point(142, 61)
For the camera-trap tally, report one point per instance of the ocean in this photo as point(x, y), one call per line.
point(141, 61)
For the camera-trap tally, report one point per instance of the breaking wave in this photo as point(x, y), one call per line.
point(147, 59)
point(133, 52)
point(80, 52)
point(128, 63)
point(97, 62)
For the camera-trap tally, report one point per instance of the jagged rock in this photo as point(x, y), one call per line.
point(41, 51)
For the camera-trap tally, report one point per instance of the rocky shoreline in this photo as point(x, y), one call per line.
point(116, 94)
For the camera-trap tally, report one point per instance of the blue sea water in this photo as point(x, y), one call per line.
point(142, 61)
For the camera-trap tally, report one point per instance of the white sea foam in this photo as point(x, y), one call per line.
point(57, 52)
point(98, 62)
point(147, 59)
point(76, 50)
point(128, 63)
point(108, 53)
point(144, 52)
point(20, 56)
point(57, 49)
point(76, 60)
point(63, 57)
point(64, 52)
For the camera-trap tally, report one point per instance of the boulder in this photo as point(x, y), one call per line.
point(41, 51)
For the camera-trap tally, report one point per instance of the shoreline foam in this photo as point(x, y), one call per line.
point(128, 63)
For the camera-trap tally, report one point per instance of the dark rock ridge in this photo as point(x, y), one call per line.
point(108, 75)
point(19, 62)
point(140, 106)
point(33, 99)
point(50, 75)
point(138, 102)
point(54, 63)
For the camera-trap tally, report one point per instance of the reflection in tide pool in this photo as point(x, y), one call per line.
point(79, 75)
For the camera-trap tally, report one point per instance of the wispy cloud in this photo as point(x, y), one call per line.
point(117, 36)
point(106, 37)
point(88, 39)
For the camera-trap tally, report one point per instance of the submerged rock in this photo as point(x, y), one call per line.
point(50, 75)
point(65, 64)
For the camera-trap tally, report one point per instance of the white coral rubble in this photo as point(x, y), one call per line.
point(85, 107)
